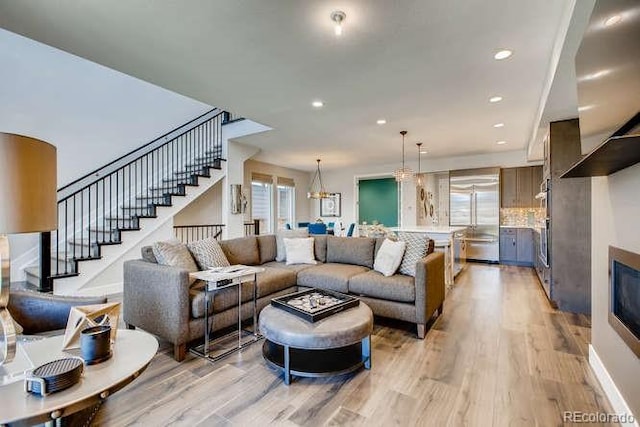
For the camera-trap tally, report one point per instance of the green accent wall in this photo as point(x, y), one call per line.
point(378, 201)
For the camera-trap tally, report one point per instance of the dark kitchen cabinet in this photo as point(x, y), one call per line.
point(524, 198)
point(524, 244)
point(519, 187)
point(508, 245)
point(508, 188)
point(516, 246)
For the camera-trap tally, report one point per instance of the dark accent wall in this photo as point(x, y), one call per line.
point(378, 201)
point(570, 205)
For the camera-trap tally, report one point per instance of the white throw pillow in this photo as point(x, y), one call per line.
point(299, 251)
point(389, 257)
point(281, 254)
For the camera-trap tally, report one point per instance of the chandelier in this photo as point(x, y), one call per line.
point(317, 191)
point(404, 173)
point(419, 180)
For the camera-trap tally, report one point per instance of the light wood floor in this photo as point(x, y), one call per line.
point(499, 355)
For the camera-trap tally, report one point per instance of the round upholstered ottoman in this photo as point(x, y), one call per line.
point(335, 345)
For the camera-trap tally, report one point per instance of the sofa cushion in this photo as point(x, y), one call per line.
point(320, 247)
point(294, 267)
point(334, 277)
point(300, 251)
point(274, 279)
point(417, 245)
point(281, 253)
point(243, 250)
point(147, 254)
point(208, 253)
point(394, 288)
point(351, 250)
point(267, 247)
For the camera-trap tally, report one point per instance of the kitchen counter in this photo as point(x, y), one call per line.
point(429, 229)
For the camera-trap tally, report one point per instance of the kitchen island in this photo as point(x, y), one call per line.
point(449, 240)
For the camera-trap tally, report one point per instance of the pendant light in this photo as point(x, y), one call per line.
point(317, 192)
point(419, 182)
point(404, 173)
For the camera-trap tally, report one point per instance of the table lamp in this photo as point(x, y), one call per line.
point(28, 204)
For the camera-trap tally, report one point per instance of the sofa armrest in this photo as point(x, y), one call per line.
point(430, 286)
point(156, 299)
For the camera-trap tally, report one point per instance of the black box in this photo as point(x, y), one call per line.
point(327, 303)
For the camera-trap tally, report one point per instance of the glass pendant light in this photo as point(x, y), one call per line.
point(419, 180)
point(404, 173)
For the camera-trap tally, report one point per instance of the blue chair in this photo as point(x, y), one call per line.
point(303, 224)
point(317, 228)
point(350, 230)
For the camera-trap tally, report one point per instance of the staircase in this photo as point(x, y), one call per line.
point(130, 195)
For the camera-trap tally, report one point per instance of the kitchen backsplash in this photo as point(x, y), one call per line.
point(522, 216)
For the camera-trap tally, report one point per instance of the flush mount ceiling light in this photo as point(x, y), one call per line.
point(503, 54)
point(316, 189)
point(419, 174)
point(317, 104)
point(404, 173)
point(498, 125)
point(338, 18)
point(501, 142)
point(381, 122)
point(612, 20)
point(495, 99)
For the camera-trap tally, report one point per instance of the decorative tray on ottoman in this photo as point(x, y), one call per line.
point(315, 304)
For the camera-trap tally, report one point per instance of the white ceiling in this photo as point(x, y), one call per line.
point(424, 66)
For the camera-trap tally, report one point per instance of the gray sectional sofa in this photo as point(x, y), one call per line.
point(160, 299)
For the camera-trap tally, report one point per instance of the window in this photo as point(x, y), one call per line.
point(261, 206)
point(286, 205)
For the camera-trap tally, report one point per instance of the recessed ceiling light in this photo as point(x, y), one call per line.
point(501, 142)
point(498, 125)
point(585, 107)
point(495, 99)
point(317, 104)
point(612, 20)
point(338, 18)
point(381, 122)
point(503, 54)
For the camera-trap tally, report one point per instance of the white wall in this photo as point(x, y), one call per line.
point(344, 180)
point(206, 209)
point(92, 114)
point(615, 212)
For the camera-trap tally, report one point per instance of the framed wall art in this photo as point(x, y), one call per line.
point(331, 206)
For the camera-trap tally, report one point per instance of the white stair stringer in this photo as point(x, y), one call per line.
point(89, 270)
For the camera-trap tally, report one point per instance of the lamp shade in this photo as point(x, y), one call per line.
point(28, 177)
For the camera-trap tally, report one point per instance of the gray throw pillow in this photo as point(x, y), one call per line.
point(417, 244)
point(208, 253)
point(175, 254)
point(281, 253)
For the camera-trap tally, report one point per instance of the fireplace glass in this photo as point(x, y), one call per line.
point(624, 296)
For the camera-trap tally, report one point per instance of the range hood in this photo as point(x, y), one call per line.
point(616, 153)
point(608, 78)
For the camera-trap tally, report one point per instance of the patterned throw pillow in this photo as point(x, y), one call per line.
point(208, 253)
point(175, 254)
point(417, 244)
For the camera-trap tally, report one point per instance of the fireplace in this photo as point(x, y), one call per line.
point(624, 296)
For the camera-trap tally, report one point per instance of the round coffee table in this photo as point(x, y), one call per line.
point(335, 345)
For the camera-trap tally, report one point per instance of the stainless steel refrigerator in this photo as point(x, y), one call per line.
point(474, 202)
